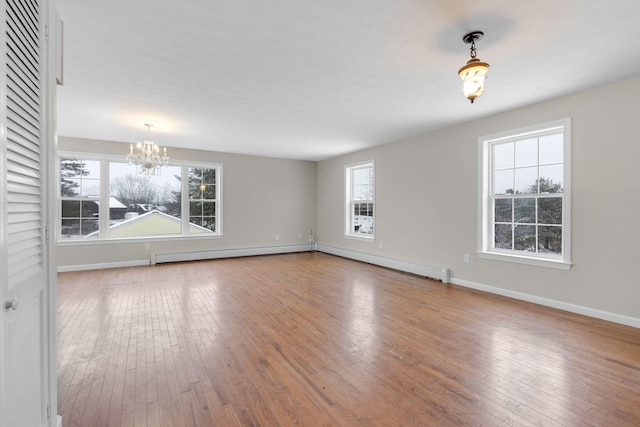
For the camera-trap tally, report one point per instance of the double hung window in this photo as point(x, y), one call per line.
point(524, 195)
point(360, 200)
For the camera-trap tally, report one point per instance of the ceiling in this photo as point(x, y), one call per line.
point(310, 80)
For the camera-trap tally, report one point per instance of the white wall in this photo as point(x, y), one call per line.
point(426, 203)
point(261, 197)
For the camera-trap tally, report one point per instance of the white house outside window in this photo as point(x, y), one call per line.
point(360, 201)
point(524, 195)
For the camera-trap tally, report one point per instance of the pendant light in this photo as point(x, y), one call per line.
point(474, 73)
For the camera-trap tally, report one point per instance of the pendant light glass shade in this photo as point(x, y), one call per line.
point(473, 76)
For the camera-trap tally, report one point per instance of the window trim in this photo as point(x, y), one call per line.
point(348, 211)
point(105, 160)
point(485, 214)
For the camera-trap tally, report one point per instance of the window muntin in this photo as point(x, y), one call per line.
point(360, 192)
point(138, 206)
point(525, 204)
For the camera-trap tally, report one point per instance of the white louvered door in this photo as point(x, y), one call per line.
point(24, 272)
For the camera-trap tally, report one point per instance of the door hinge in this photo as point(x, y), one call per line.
point(48, 412)
point(46, 234)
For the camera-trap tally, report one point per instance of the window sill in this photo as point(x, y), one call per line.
point(140, 239)
point(370, 238)
point(539, 262)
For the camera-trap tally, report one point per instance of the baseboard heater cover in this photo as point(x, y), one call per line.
point(438, 273)
point(226, 253)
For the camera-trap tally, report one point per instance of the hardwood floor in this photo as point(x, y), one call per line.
point(311, 339)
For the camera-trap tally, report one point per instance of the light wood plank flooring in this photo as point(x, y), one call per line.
point(311, 339)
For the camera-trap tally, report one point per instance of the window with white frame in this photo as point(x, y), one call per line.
point(106, 199)
point(360, 200)
point(203, 196)
point(525, 195)
point(79, 197)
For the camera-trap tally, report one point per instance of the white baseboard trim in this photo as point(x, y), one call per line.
point(439, 273)
point(227, 253)
point(81, 267)
point(190, 256)
point(573, 308)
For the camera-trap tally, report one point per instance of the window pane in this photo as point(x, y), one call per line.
point(550, 240)
point(503, 182)
point(209, 208)
point(527, 180)
point(503, 238)
point(358, 193)
point(209, 223)
point(70, 187)
point(551, 149)
point(70, 228)
point(503, 155)
point(550, 210)
point(524, 238)
point(524, 211)
point(195, 209)
point(209, 192)
point(70, 208)
point(72, 168)
point(356, 177)
point(202, 224)
point(209, 176)
point(89, 226)
point(526, 152)
point(503, 210)
point(551, 179)
point(141, 205)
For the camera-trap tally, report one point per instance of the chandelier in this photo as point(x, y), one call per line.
point(474, 73)
point(146, 156)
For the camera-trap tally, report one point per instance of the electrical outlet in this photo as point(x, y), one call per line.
point(310, 239)
point(277, 237)
point(380, 244)
point(147, 246)
point(467, 259)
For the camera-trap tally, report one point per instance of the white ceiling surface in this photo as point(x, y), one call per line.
point(309, 79)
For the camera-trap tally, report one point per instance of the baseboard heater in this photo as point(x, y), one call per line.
point(226, 253)
point(438, 273)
